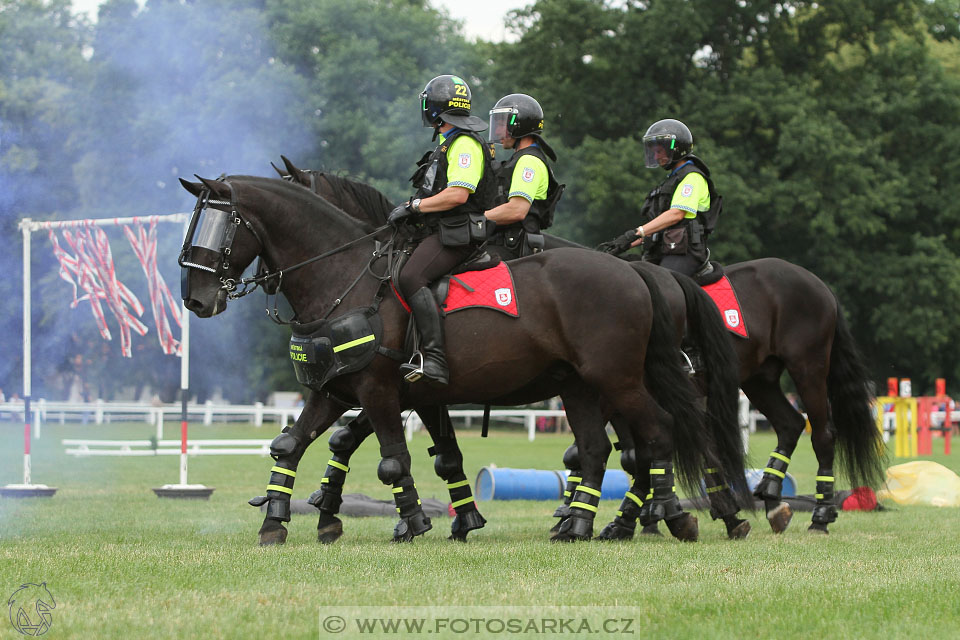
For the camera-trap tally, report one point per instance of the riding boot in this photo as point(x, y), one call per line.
point(430, 326)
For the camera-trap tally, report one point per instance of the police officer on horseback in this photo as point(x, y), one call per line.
point(682, 211)
point(527, 190)
point(454, 185)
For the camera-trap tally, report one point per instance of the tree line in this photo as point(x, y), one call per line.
point(830, 128)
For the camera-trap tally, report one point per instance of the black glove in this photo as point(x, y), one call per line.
point(619, 244)
point(399, 213)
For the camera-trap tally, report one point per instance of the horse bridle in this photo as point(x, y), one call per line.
point(239, 288)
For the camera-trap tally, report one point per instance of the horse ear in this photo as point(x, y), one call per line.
point(218, 188)
point(280, 171)
point(193, 187)
point(297, 174)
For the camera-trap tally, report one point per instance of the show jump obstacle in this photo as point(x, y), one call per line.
point(90, 269)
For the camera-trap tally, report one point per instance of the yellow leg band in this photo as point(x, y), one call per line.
point(574, 479)
point(584, 505)
point(276, 487)
point(454, 485)
point(592, 492)
point(338, 465)
point(658, 472)
point(780, 456)
point(634, 498)
point(462, 502)
point(779, 474)
point(825, 478)
point(286, 472)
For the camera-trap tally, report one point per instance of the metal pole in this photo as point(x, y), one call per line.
point(25, 228)
point(184, 380)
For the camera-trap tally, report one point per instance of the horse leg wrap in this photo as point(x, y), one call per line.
point(413, 521)
point(770, 486)
point(573, 481)
point(279, 490)
point(571, 460)
point(343, 443)
point(663, 502)
point(583, 509)
point(625, 523)
point(825, 511)
point(722, 503)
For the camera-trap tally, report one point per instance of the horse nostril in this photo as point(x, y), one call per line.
point(193, 305)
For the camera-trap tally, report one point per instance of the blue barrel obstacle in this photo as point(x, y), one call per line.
point(501, 483)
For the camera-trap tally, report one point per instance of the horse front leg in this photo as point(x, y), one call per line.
point(287, 449)
point(448, 464)
point(571, 460)
point(329, 496)
point(381, 401)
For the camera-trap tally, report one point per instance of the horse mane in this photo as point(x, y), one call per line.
point(308, 200)
point(370, 199)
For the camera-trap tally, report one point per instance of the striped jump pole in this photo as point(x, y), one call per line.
point(27, 489)
point(184, 489)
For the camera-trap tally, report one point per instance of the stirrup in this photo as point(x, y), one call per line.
point(691, 371)
point(415, 371)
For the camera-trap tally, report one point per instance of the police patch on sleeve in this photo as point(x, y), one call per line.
point(687, 190)
point(528, 174)
point(464, 160)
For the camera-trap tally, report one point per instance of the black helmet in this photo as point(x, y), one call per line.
point(515, 115)
point(447, 98)
point(672, 138)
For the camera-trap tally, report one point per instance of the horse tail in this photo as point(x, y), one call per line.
point(860, 449)
point(707, 331)
point(670, 386)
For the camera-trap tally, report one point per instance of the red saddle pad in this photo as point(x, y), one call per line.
point(725, 298)
point(492, 288)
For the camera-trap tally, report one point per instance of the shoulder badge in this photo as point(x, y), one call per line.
point(464, 160)
point(687, 190)
point(527, 175)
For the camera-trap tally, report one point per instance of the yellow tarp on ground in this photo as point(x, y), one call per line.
point(922, 482)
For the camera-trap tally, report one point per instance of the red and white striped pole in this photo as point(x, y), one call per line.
point(27, 489)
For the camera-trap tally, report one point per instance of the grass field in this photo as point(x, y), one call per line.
point(123, 563)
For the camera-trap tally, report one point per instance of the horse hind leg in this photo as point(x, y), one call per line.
point(723, 506)
point(765, 394)
point(448, 464)
point(586, 418)
point(813, 392)
point(328, 498)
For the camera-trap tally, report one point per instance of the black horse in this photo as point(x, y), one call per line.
point(334, 274)
point(694, 315)
point(795, 325)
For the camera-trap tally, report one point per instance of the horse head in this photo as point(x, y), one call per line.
point(238, 218)
point(218, 246)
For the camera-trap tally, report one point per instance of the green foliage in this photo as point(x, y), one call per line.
point(830, 127)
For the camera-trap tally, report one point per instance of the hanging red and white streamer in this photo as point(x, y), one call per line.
point(161, 300)
point(91, 270)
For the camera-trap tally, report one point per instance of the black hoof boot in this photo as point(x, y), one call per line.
point(618, 529)
point(575, 528)
point(818, 528)
point(329, 529)
point(413, 525)
point(464, 523)
point(555, 529)
point(737, 529)
point(651, 530)
point(272, 533)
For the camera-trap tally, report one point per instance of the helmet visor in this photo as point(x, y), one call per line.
point(500, 121)
point(424, 110)
point(658, 150)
